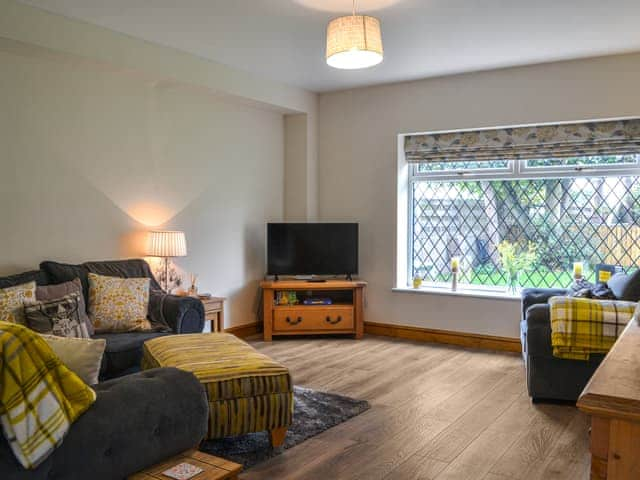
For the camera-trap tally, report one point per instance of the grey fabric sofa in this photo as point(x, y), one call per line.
point(549, 377)
point(136, 421)
point(123, 352)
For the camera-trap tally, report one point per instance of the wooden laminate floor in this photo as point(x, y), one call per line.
point(438, 412)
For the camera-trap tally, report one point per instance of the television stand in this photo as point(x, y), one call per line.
point(316, 280)
point(344, 316)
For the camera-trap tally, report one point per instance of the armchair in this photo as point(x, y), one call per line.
point(549, 377)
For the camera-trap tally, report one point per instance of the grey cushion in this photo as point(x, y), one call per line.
point(626, 287)
point(64, 272)
point(123, 352)
point(46, 293)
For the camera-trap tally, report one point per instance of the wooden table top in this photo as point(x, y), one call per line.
point(214, 468)
point(306, 285)
point(614, 389)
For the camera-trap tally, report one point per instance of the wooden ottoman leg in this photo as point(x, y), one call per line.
point(277, 436)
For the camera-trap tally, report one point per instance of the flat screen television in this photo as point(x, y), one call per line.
point(312, 249)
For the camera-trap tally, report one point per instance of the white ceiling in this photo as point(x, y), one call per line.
point(284, 39)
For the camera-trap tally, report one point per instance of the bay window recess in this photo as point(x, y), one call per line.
point(572, 191)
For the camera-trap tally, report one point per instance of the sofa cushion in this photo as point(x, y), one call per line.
point(118, 304)
point(132, 268)
point(64, 272)
point(123, 352)
point(38, 276)
point(59, 317)
point(45, 293)
point(12, 301)
point(83, 356)
point(626, 287)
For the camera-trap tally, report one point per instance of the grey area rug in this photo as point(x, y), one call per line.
point(314, 412)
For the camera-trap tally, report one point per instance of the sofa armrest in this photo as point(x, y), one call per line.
point(136, 421)
point(538, 335)
point(533, 296)
point(181, 314)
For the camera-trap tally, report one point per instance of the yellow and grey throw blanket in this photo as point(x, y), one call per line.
point(582, 326)
point(39, 396)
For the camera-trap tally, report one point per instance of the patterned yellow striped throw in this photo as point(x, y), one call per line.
point(39, 397)
point(247, 391)
point(583, 326)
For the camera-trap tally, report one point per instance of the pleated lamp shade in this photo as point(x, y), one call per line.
point(354, 42)
point(167, 244)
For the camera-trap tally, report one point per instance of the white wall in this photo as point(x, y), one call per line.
point(358, 153)
point(91, 158)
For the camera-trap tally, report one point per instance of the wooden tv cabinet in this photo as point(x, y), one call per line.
point(344, 316)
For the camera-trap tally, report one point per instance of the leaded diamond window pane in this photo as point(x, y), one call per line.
point(589, 219)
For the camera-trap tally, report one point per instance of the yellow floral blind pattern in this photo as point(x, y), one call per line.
point(118, 304)
point(619, 137)
point(12, 300)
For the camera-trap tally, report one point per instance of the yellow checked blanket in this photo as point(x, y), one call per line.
point(39, 397)
point(583, 326)
point(247, 391)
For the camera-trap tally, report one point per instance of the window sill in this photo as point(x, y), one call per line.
point(473, 293)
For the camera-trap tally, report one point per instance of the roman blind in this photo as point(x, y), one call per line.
point(619, 137)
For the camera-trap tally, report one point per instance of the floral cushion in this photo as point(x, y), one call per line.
point(12, 300)
point(118, 304)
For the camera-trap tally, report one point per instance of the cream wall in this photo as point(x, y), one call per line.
point(358, 160)
point(92, 158)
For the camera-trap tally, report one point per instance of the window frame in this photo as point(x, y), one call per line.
point(516, 170)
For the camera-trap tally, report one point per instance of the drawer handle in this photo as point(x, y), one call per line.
point(333, 322)
point(293, 322)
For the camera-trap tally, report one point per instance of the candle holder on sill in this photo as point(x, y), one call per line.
point(578, 270)
point(455, 267)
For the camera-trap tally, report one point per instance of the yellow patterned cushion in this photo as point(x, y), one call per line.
point(12, 302)
point(118, 304)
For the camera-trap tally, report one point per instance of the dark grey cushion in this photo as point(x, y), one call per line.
point(37, 276)
point(626, 287)
point(133, 268)
point(64, 272)
point(123, 352)
point(136, 421)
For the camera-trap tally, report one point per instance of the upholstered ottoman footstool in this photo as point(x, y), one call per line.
point(247, 391)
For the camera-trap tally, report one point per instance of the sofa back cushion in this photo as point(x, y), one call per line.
point(64, 272)
point(626, 287)
point(37, 276)
point(133, 268)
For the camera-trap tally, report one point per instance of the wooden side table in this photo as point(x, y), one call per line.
point(214, 312)
point(214, 468)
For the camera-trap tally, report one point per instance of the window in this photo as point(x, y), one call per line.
point(565, 210)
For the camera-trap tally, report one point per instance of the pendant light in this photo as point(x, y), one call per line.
point(354, 41)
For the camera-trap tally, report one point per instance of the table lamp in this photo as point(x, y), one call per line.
point(167, 244)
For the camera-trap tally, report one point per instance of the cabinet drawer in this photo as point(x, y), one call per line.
point(310, 318)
